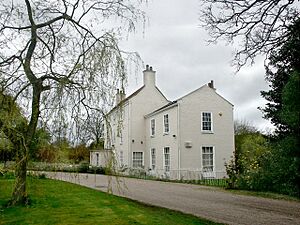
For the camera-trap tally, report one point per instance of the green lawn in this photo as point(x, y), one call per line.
point(57, 202)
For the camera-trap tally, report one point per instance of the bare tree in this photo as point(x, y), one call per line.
point(60, 58)
point(258, 26)
point(90, 130)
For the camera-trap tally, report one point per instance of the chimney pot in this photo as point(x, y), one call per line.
point(149, 76)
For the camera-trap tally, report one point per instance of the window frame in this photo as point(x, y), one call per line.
point(152, 129)
point(164, 159)
point(213, 158)
point(153, 162)
point(133, 160)
point(121, 158)
point(211, 122)
point(164, 124)
point(97, 159)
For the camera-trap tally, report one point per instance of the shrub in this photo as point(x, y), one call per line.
point(47, 154)
point(83, 167)
point(79, 153)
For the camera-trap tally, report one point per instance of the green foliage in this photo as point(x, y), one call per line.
point(282, 74)
point(13, 127)
point(274, 165)
point(79, 153)
point(283, 110)
point(245, 168)
point(47, 154)
point(40, 143)
point(261, 164)
point(290, 103)
point(99, 145)
point(6, 148)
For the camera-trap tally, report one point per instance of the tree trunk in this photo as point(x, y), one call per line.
point(19, 195)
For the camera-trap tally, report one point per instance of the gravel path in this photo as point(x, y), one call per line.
point(206, 202)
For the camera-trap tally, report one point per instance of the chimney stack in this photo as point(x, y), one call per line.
point(149, 76)
point(211, 84)
point(120, 96)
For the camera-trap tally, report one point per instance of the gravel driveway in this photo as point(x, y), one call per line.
point(206, 202)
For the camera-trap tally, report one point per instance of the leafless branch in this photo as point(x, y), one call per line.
point(257, 26)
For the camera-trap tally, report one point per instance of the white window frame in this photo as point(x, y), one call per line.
point(164, 160)
point(97, 159)
point(152, 165)
point(142, 159)
point(121, 157)
point(211, 122)
point(164, 124)
point(208, 174)
point(121, 137)
point(152, 131)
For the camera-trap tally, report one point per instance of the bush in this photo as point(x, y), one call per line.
point(79, 153)
point(97, 170)
point(83, 167)
point(47, 154)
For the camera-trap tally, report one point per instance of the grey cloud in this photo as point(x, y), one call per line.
point(175, 46)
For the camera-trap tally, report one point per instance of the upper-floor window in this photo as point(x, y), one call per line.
point(166, 124)
point(207, 122)
point(152, 127)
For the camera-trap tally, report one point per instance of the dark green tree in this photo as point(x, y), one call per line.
point(281, 73)
point(283, 108)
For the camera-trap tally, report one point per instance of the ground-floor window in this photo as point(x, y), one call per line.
point(137, 159)
point(97, 159)
point(167, 159)
point(153, 159)
point(121, 156)
point(207, 159)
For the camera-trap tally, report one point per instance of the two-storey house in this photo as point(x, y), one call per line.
point(189, 138)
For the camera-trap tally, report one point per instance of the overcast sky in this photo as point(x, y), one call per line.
point(175, 45)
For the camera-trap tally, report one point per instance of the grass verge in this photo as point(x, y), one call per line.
point(270, 195)
point(57, 202)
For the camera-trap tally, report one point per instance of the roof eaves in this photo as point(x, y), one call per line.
point(161, 93)
point(165, 107)
point(205, 85)
point(126, 99)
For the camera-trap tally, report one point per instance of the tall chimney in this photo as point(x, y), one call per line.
point(149, 76)
point(122, 95)
point(118, 97)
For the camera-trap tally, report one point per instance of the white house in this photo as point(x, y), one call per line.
point(189, 138)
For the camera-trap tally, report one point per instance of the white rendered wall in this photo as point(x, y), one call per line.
point(130, 118)
point(161, 140)
point(146, 101)
point(205, 99)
